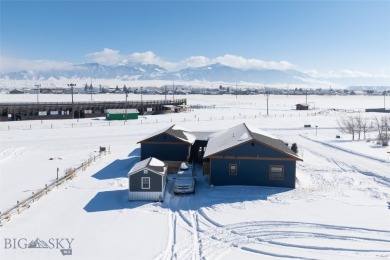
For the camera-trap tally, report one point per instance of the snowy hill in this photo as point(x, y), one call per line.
point(140, 71)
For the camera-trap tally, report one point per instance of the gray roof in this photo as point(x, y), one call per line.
point(150, 163)
point(243, 133)
point(176, 132)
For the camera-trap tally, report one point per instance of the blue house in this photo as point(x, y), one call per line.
point(244, 155)
point(171, 145)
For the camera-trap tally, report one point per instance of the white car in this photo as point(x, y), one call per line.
point(185, 181)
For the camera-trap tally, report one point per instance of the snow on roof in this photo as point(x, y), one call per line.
point(150, 163)
point(176, 132)
point(156, 162)
point(242, 133)
point(260, 132)
point(226, 139)
point(156, 133)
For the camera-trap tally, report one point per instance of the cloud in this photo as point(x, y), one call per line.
point(113, 57)
point(11, 65)
point(106, 56)
point(345, 73)
point(236, 61)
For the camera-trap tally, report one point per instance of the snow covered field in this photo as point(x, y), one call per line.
point(339, 210)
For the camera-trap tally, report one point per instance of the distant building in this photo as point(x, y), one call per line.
point(147, 180)
point(17, 91)
point(302, 106)
point(121, 114)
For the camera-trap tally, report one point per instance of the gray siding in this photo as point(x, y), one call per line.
point(157, 182)
point(152, 196)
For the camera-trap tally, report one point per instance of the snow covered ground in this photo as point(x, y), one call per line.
point(339, 210)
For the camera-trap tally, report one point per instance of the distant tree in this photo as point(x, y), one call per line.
point(86, 87)
point(294, 148)
point(347, 125)
point(382, 126)
point(125, 89)
point(117, 88)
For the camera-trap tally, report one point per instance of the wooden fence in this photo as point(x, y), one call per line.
point(26, 203)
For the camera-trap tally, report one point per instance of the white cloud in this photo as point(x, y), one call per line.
point(241, 62)
point(345, 73)
point(106, 56)
point(11, 65)
point(195, 61)
point(113, 57)
point(235, 61)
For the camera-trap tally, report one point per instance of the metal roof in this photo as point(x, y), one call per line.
point(176, 132)
point(243, 133)
point(150, 163)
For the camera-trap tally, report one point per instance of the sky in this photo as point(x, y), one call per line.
point(323, 38)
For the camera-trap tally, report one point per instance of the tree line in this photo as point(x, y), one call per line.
point(358, 125)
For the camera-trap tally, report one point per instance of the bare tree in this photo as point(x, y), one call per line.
point(358, 121)
point(363, 125)
point(347, 125)
point(382, 126)
point(366, 126)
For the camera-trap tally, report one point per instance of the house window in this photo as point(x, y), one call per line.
point(276, 172)
point(145, 171)
point(145, 182)
point(232, 169)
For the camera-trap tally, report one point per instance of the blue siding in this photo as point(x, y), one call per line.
point(165, 148)
point(165, 152)
point(255, 150)
point(251, 172)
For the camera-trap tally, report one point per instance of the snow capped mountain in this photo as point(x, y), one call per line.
point(140, 71)
point(37, 243)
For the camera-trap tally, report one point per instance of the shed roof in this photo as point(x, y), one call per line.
point(243, 133)
point(122, 111)
point(175, 131)
point(150, 163)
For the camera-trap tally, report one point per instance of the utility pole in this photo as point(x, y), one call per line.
point(71, 85)
point(142, 104)
point(126, 108)
point(173, 88)
point(38, 90)
point(306, 97)
point(165, 93)
point(90, 88)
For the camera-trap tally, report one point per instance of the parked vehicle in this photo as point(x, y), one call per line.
point(185, 179)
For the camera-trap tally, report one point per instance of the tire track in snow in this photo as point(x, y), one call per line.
point(267, 235)
point(11, 153)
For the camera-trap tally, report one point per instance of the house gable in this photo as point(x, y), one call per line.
point(252, 149)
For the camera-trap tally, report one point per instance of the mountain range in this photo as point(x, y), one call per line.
point(140, 71)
